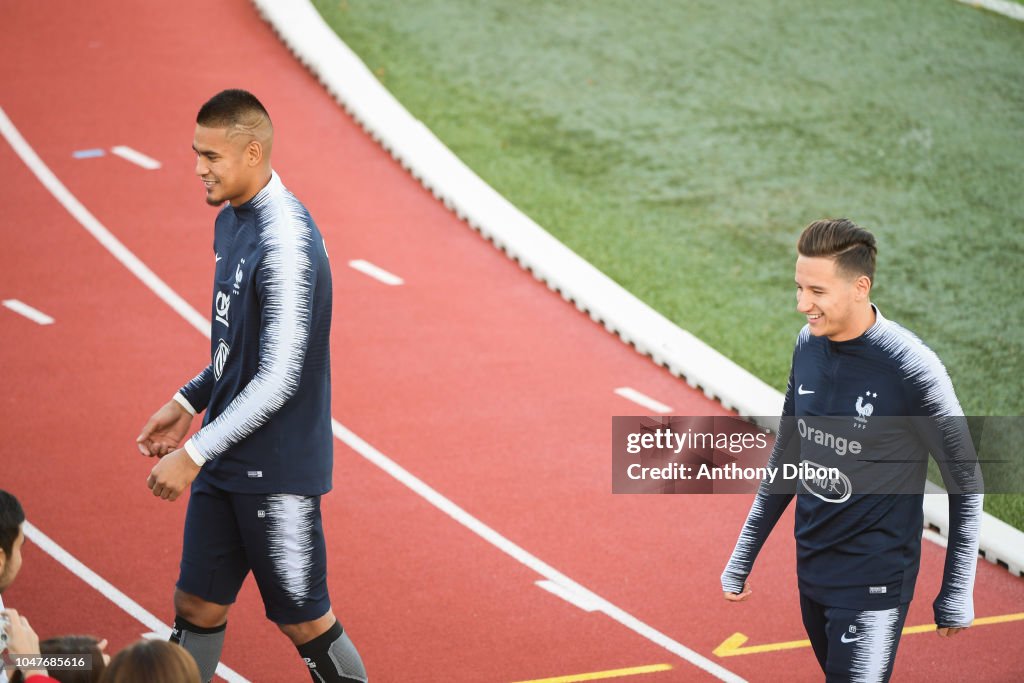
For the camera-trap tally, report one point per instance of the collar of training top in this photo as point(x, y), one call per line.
point(864, 338)
point(273, 186)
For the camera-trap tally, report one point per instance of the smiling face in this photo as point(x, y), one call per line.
point(11, 564)
point(232, 165)
point(837, 304)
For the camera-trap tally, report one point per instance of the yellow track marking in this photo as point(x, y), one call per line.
point(733, 645)
point(602, 675)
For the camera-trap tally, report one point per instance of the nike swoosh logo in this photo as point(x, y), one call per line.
point(218, 257)
point(849, 640)
point(800, 390)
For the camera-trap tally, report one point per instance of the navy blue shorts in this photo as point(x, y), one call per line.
point(853, 645)
point(279, 537)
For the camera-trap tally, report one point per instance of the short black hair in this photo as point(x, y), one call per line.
point(229, 108)
point(11, 517)
point(852, 247)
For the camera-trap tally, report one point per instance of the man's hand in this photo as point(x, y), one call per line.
point(172, 475)
point(950, 631)
point(165, 430)
point(21, 639)
point(739, 597)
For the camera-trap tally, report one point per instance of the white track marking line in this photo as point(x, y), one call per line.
point(96, 229)
point(183, 308)
point(643, 400)
point(136, 157)
point(376, 272)
point(1007, 9)
point(33, 314)
point(523, 557)
point(138, 612)
point(580, 601)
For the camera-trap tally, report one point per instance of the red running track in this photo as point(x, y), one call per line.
point(472, 375)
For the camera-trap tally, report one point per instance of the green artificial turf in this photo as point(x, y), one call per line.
point(681, 147)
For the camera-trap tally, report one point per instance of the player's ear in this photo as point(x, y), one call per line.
point(3, 560)
point(862, 285)
point(254, 153)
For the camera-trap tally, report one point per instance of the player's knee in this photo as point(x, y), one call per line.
point(198, 611)
point(300, 633)
point(306, 631)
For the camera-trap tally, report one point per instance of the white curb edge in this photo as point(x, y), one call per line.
point(418, 150)
point(1004, 7)
point(355, 88)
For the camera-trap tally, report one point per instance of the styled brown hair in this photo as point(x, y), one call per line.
point(851, 246)
point(153, 661)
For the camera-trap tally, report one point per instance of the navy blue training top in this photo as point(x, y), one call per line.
point(267, 390)
point(856, 548)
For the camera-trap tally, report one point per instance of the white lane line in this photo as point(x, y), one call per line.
point(183, 308)
point(643, 399)
point(1007, 9)
point(33, 314)
point(136, 157)
point(580, 601)
point(97, 229)
point(524, 557)
point(376, 272)
point(109, 591)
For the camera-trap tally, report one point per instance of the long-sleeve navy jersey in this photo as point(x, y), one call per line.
point(267, 391)
point(860, 550)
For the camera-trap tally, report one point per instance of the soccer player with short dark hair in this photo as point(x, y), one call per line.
point(264, 454)
point(858, 550)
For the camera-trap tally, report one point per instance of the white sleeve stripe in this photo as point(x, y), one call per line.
point(921, 366)
point(957, 604)
point(753, 535)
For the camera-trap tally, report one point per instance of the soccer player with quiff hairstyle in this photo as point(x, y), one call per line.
point(858, 553)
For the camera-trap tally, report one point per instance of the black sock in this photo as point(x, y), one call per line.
point(331, 657)
point(204, 644)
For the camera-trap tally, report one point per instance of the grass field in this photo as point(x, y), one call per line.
point(681, 147)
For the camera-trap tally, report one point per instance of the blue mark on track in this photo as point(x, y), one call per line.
point(88, 153)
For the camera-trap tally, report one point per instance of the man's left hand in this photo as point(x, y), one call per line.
point(172, 475)
point(950, 631)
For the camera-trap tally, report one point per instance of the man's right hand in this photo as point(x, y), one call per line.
point(739, 597)
point(165, 430)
